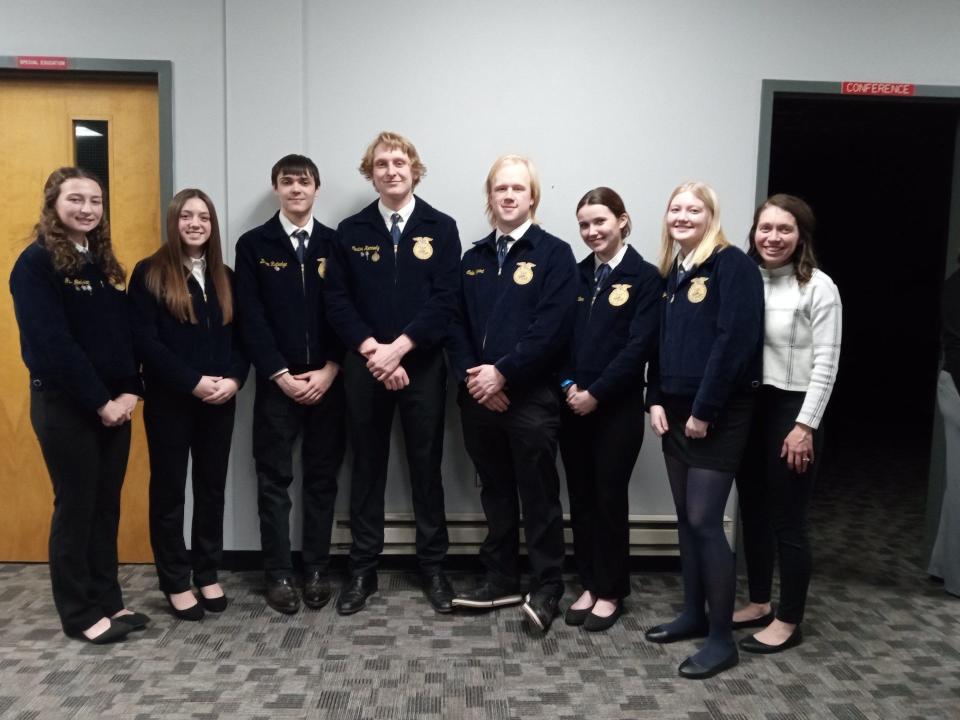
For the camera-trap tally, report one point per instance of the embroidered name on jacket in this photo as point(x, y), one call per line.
point(474, 272)
point(273, 264)
point(79, 285)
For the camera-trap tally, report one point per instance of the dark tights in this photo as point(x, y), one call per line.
point(707, 563)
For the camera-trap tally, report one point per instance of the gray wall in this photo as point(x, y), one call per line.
point(633, 94)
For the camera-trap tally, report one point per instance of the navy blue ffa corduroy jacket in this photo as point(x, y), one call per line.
point(175, 354)
point(711, 333)
point(74, 329)
point(373, 292)
point(280, 304)
point(615, 334)
point(520, 319)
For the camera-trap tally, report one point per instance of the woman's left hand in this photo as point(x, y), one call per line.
point(695, 428)
point(798, 448)
point(128, 401)
point(226, 389)
point(581, 402)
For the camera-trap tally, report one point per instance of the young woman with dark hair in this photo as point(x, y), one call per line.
point(68, 296)
point(615, 335)
point(183, 313)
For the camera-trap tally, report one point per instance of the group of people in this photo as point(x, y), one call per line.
point(344, 327)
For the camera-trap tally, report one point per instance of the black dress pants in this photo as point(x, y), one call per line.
point(773, 505)
point(517, 451)
point(86, 462)
point(181, 426)
point(599, 451)
point(370, 408)
point(277, 420)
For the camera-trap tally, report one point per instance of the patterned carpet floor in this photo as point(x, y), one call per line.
point(882, 641)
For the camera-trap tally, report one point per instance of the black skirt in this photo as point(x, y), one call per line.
point(726, 437)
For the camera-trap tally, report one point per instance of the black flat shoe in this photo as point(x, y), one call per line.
point(576, 617)
point(760, 622)
point(660, 634)
point(136, 621)
point(694, 671)
point(214, 605)
point(190, 614)
point(595, 623)
point(751, 644)
point(116, 631)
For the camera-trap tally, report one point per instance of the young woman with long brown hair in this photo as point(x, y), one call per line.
point(68, 296)
point(182, 301)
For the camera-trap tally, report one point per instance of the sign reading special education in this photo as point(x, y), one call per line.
point(42, 62)
point(885, 89)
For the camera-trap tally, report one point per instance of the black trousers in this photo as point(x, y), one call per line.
point(517, 451)
point(181, 426)
point(277, 421)
point(773, 505)
point(86, 462)
point(370, 408)
point(599, 451)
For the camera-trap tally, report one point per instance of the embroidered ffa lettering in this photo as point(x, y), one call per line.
point(367, 252)
point(275, 265)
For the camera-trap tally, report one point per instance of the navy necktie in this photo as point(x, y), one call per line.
point(395, 229)
point(301, 236)
point(603, 272)
point(502, 249)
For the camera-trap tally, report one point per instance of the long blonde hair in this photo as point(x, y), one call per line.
point(713, 238)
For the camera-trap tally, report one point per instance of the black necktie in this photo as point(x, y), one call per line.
point(301, 236)
point(395, 229)
point(502, 249)
point(603, 272)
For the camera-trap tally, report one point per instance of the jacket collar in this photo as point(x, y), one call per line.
point(531, 237)
point(274, 231)
point(422, 213)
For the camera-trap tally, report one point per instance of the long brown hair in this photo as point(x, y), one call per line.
point(804, 260)
point(166, 275)
point(51, 233)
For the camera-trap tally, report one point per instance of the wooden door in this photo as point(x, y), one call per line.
point(37, 116)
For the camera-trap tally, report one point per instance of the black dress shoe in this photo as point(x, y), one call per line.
point(316, 590)
point(282, 596)
point(117, 631)
point(439, 592)
point(760, 622)
point(136, 621)
point(660, 633)
point(751, 644)
point(190, 614)
point(541, 608)
point(694, 671)
point(576, 617)
point(354, 594)
point(595, 623)
point(488, 595)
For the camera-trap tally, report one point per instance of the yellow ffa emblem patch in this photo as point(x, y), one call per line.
point(322, 268)
point(524, 273)
point(474, 272)
point(698, 290)
point(119, 286)
point(275, 265)
point(620, 294)
point(422, 249)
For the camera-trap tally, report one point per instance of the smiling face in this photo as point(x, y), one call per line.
point(297, 194)
point(392, 176)
point(601, 230)
point(687, 220)
point(511, 197)
point(776, 237)
point(194, 226)
point(79, 207)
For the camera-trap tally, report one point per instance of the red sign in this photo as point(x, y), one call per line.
point(42, 62)
point(877, 88)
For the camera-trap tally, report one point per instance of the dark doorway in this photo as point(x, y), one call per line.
point(878, 174)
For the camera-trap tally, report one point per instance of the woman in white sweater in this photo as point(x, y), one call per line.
point(800, 355)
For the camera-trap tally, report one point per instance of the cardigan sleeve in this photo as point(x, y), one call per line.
point(826, 321)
